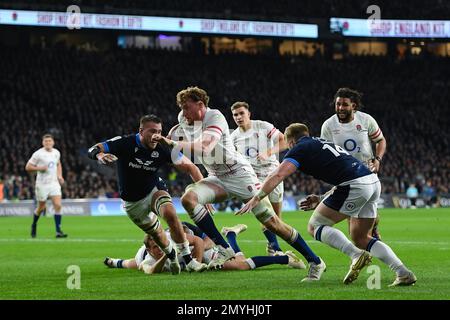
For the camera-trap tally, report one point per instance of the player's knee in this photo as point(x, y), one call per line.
point(164, 206)
point(57, 208)
point(189, 200)
point(265, 214)
point(311, 229)
point(316, 221)
point(151, 226)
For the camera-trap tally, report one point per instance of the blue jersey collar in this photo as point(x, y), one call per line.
point(138, 141)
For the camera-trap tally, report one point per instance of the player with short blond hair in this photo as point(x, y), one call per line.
point(47, 163)
point(260, 142)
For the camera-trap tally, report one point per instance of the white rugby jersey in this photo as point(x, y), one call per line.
point(356, 136)
point(261, 137)
point(223, 159)
point(49, 159)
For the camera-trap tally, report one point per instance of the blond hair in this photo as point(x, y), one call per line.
point(295, 131)
point(192, 93)
point(239, 104)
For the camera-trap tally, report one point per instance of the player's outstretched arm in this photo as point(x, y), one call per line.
point(187, 166)
point(97, 152)
point(205, 144)
point(199, 246)
point(285, 169)
point(157, 267)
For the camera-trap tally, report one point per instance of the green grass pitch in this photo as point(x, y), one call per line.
point(37, 268)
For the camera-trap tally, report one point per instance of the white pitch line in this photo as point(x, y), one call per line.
point(103, 240)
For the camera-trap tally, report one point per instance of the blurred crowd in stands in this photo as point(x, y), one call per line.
point(280, 10)
point(85, 97)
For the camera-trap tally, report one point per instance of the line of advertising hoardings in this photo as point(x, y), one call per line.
point(114, 207)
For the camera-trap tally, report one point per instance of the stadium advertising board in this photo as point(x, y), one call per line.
point(27, 207)
point(114, 207)
point(110, 207)
point(391, 28)
point(161, 24)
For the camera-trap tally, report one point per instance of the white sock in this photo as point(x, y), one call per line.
point(336, 239)
point(383, 252)
point(183, 248)
point(251, 263)
point(167, 250)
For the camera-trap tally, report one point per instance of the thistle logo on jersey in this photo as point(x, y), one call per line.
point(155, 154)
point(350, 206)
point(358, 127)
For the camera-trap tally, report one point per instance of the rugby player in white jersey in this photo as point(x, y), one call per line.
point(260, 142)
point(230, 175)
point(47, 163)
point(355, 131)
point(150, 259)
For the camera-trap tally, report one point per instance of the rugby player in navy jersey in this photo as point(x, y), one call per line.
point(356, 194)
point(144, 193)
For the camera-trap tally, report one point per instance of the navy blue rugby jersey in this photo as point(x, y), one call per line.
point(325, 161)
point(137, 165)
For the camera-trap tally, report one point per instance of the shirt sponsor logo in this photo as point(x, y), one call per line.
point(146, 163)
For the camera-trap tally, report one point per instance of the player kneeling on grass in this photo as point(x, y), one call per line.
point(151, 259)
point(355, 196)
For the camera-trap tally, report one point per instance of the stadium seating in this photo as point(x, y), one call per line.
point(83, 97)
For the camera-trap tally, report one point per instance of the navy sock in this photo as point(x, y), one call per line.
point(231, 237)
point(265, 260)
point(187, 258)
point(272, 239)
point(35, 219)
point(172, 254)
point(119, 264)
point(57, 222)
point(207, 225)
point(197, 231)
point(300, 245)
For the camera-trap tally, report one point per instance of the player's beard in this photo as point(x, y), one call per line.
point(345, 116)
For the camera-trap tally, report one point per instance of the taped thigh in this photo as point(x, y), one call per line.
point(318, 220)
point(263, 211)
point(149, 224)
point(205, 194)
